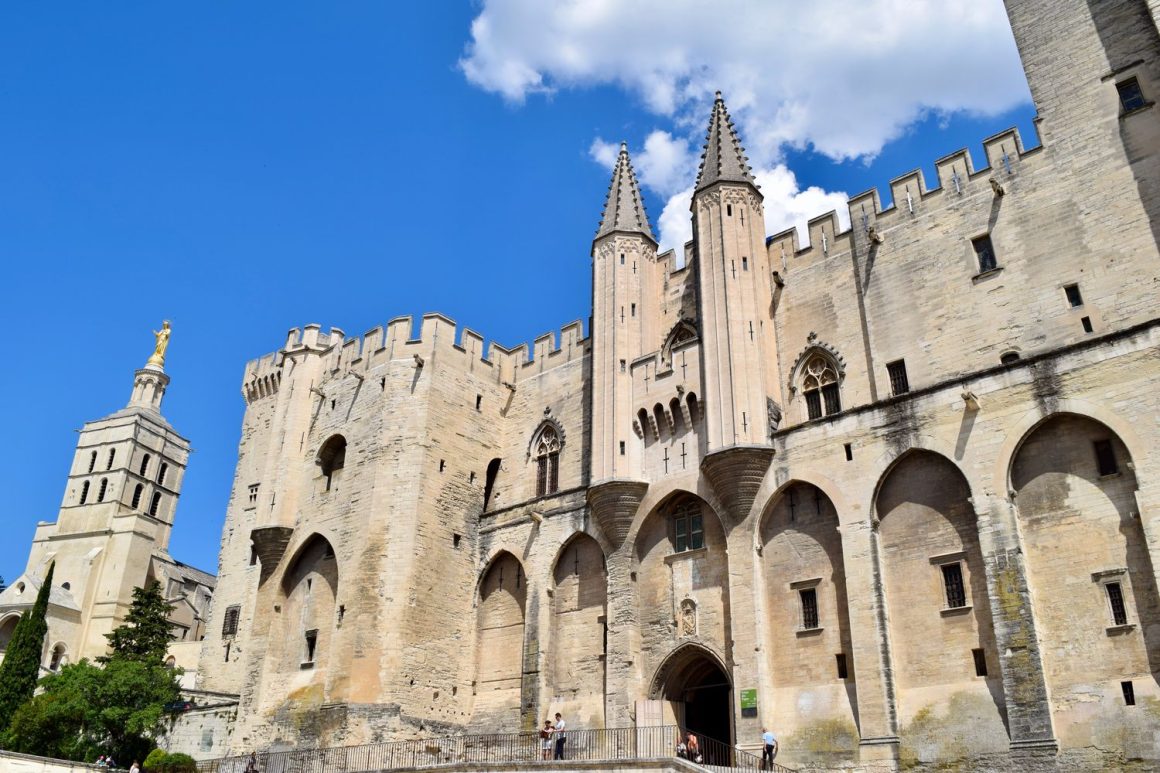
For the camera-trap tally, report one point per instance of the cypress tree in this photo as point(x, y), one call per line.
point(146, 633)
point(21, 667)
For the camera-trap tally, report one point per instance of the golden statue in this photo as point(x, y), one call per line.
point(158, 356)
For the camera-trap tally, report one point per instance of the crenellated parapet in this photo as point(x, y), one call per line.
point(439, 338)
point(957, 177)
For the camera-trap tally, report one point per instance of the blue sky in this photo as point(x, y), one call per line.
point(242, 169)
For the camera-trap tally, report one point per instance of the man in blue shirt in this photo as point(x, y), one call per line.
point(769, 750)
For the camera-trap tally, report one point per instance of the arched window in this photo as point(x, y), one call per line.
point(101, 491)
point(332, 458)
point(642, 418)
point(489, 483)
point(819, 383)
point(161, 473)
point(546, 452)
point(682, 333)
point(84, 492)
point(659, 415)
point(144, 465)
point(93, 461)
point(694, 408)
point(58, 658)
point(137, 496)
point(112, 456)
point(155, 505)
point(678, 419)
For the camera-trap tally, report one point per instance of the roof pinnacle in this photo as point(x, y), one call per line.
point(723, 158)
point(624, 207)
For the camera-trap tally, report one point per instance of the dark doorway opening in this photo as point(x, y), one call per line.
point(702, 700)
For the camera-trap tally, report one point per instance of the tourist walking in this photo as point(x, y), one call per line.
point(768, 748)
point(558, 733)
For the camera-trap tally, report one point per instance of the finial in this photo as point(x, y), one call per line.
point(719, 98)
point(156, 360)
point(623, 146)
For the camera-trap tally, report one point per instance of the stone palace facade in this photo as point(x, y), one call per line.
point(895, 494)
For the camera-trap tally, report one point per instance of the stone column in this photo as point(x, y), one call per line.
point(1016, 639)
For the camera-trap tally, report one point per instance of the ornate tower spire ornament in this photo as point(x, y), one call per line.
point(624, 208)
point(723, 159)
point(157, 359)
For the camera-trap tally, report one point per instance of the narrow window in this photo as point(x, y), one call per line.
point(622, 258)
point(832, 398)
point(442, 465)
point(112, 456)
point(155, 505)
point(985, 252)
point(137, 496)
point(843, 672)
point(953, 583)
point(489, 481)
point(547, 452)
point(332, 404)
point(980, 662)
point(819, 382)
point(332, 459)
point(101, 491)
point(728, 210)
point(253, 555)
point(228, 644)
point(341, 613)
point(745, 264)
point(471, 477)
point(311, 645)
point(1115, 595)
point(899, 384)
point(1129, 693)
point(809, 599)
point(688, 527)
point(1073, 297)
point(92, 461)
point(623, 365)
point(1131, 97)
point(230, 624)
point(144, 465)
point(455, 539)
point(634, 309)
point(478, 401)
point(622, 448)
point(694, 409)
point(161, 473)
point(253, 495)
point(84, 492)
point(1087, 324)
point(1105, 457)
point(849, 452)
point(814, 404)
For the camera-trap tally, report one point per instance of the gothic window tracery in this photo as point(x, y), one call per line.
point(546, 452)
point(820, 385)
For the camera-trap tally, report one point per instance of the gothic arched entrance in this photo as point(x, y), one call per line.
point(698, 692)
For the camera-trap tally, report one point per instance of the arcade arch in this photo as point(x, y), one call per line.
point(500, 644)
point(579, 604)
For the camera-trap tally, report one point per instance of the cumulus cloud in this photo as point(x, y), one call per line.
point(842, 77)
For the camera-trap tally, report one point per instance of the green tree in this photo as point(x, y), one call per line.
point(146, 633)
point(86, 710)
point(21, 666)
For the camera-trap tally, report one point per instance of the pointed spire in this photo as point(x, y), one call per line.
point(624, 208)
point(724, 158)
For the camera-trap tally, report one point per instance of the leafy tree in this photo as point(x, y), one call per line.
point(21, 666)
point(120, 709)
point(86, 710)
point(146, 633)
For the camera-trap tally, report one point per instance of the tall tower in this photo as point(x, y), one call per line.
point(115, 518)
point(729, 233)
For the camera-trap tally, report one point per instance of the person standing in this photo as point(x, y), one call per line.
point(558, 732)
point(252, 763)
point(769, 747)
point(546, 740)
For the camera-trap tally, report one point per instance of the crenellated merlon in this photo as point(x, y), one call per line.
point(910, 197)
point(439, 339)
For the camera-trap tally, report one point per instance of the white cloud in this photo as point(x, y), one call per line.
point(842, 77)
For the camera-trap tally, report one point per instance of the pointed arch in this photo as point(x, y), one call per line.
point(502, 602)
point(331, 460)
point(684, 332)
point(544, 449)
point(817, 375)
point(578, 640)
point(309, 591)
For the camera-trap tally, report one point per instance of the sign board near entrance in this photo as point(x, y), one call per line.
point(749, 703)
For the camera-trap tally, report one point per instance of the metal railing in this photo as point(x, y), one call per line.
point(624, 743)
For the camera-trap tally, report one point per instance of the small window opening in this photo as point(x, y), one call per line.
point(1105, 457)
point(155, 504)
point(899, 384)
point(622, 448)
point(311, 645)
point(956, 592)
point(1129, 693)
point(622, 258)
point(688, 528)
point(84, 492)
point(383, 384)
point(471, 477)
point(1131, 96)
point(332, 404)
point(1073, 296)
point(341, 613)
point(66, 585)
point(144, 465)
point(745, 264)
point(478, 401)
point(985, 252)
point(1009, 358)
point(843, 672)
point(1115, 595)
point(1087, 324)
point(57, 657)
point(112, 456)
point(489, 482)
point(980, 658)
point(92, 461)
point(161, 473)
point(809, 599)
point(694, 408)
point(849, 452)
point(332, 459)
point(101, 491)
point(137, 491)
point(728, 210)
point(442, 465)
point(634, 309)
point(230, 623)
point(455, 539)
point(623, 366)
point(253, 555)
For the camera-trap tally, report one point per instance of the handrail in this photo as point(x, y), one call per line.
point(623, 743)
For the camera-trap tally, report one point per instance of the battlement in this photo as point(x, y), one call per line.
point(439, 339)
point(957, 176)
